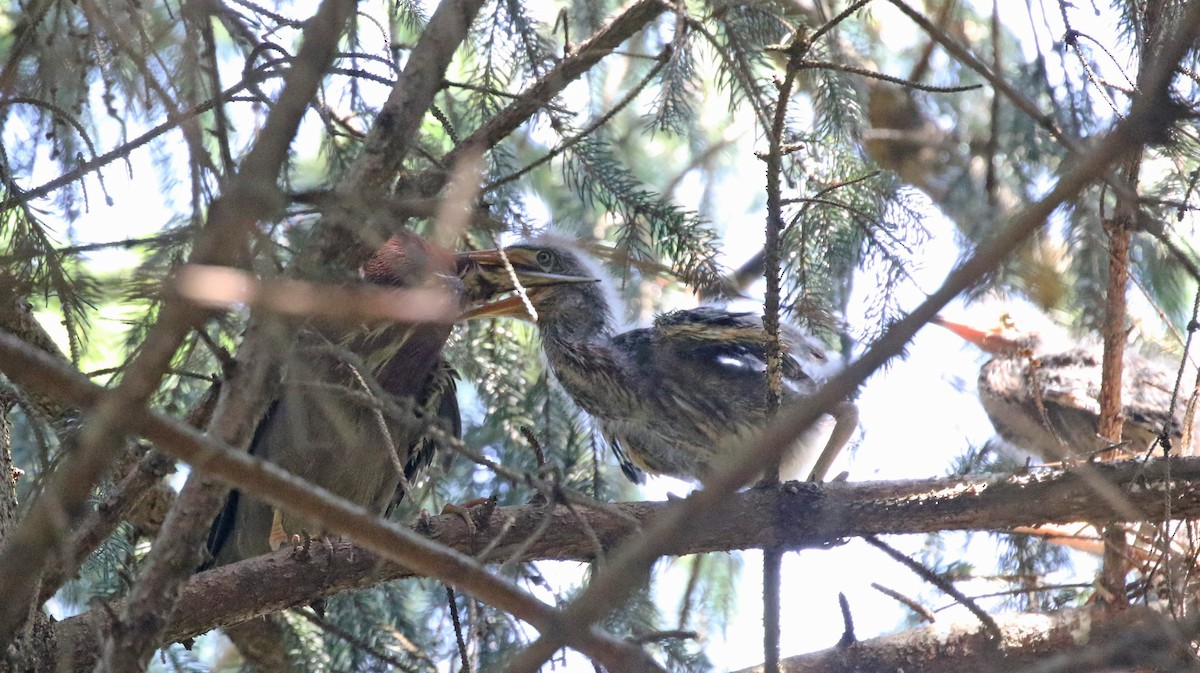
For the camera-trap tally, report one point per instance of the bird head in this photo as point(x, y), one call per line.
point(1005, 339)
point(559, 282)
point(408, 261)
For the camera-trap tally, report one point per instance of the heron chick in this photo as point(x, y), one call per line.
point(330, 426)
point(677, 398)
point(1041, 391)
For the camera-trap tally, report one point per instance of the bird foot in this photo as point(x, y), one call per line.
point(424, 524)
point(300, 548)
point(465, 511)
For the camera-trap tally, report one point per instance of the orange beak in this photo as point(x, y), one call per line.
point(509, 307)
point(991, 341)
point(492, 272)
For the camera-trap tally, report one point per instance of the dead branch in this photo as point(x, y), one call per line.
point(247, 392)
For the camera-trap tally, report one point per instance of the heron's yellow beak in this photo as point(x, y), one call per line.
point(509, 307)
point(487, 273)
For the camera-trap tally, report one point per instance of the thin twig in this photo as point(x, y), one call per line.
point(772, 582)
point(603, 119)
point(828, 65)
point(933, 578)
point(26, 195)
point(458, 631)
point(922, 611)
point(848, 638)
point(353, 640)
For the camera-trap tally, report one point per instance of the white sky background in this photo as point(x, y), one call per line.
point(916, 416)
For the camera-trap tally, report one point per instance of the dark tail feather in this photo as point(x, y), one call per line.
point(222, 529)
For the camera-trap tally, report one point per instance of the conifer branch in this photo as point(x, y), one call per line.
point(36, 370)
point(802, 516)
point(631, 564)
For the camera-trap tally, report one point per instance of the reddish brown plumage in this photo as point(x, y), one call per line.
point(407, 260)
point(403, 356)
point(325, 429)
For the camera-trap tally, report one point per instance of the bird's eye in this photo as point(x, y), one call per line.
point(817, 354)
point(544, 258)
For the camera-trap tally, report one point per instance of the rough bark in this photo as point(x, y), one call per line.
point(8, 470)
point(804, 515)
point(1026, 639)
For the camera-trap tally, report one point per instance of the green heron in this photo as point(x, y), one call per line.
point(327, 428)
point(676, 398)
point(1041, 391)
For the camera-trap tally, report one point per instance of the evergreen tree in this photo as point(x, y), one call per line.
point(288, 144)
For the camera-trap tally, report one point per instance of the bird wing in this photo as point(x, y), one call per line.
point(439, 399)
point(729, 338)
point(1147, 393)
point(1069, 379)
point(1072, 379)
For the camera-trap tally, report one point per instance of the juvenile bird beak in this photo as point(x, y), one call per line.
point(511, 307)
point(991, 341)
point(489, 266)
point(485, 275)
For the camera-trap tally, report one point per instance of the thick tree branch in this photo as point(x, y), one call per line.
point(370, 177)
point(349, 224)
point(34, 369)
point(25, 552)
point(1026, 639)
point(133, 494)
point(802, 516)
point(391, 136)
point(252, 195)
point(246, 394)
point(16, 316)
point(1149, 118)
point(571, 68)
point(101, 522)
